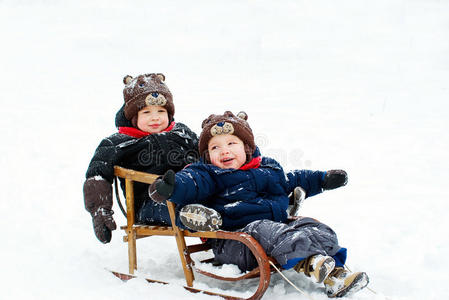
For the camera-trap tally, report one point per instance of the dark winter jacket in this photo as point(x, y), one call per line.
point(243, 196)
point(155, 153)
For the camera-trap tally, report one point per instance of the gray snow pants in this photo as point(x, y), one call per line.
point(287, 243)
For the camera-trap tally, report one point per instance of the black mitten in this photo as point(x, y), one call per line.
point(334, 179)
point(163, 187)
point(98, 202)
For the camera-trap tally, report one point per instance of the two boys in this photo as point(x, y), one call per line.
point(235, 187)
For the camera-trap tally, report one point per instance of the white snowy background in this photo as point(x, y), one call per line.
point(358, 85)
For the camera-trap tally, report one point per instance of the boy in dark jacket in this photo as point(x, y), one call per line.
point(238, 189)
point(148, 140)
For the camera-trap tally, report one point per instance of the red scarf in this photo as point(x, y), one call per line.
point(137, 133)
point(253, 164)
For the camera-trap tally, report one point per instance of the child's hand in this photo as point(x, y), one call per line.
point(162, 188)
point(103, 224)
point(98, 202)
point(334, 179)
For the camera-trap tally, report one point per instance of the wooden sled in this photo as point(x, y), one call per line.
point(135, 231)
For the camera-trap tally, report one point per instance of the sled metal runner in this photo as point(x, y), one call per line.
point(136, 231)
point(126, 277)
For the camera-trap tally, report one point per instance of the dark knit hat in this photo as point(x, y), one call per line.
point(147, 89)
point(227, 123)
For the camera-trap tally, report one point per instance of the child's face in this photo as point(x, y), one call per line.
point(226, 151)
point(152, 119)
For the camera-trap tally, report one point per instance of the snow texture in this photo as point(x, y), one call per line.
point(358, 85)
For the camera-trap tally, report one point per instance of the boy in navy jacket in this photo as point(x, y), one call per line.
point(237, 182)
point(237, 189)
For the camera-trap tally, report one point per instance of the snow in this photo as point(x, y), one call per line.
point(234, 204)
point(358, 85)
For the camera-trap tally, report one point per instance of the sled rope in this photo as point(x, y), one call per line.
point(117, 196)
point(291, 283)
point(368, 288)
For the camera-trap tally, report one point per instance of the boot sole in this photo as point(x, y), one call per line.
point(200, 218)
point(359, 282)
point(325, 269)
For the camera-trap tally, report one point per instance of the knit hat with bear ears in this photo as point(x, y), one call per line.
point(144, 90)
point(227, 123)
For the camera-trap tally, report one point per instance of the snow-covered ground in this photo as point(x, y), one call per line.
point(359, 85)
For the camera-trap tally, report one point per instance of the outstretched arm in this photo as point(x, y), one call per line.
point(185, 187)
point(310, 181)
point(314, 182)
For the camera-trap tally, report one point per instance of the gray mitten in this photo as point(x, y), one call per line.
point(98, 202)
point(296, 200)
point(334, 179)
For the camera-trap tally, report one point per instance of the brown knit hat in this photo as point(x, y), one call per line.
point(147, 89)
point(227, 123)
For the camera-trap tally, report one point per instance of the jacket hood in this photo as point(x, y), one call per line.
point(120, 120)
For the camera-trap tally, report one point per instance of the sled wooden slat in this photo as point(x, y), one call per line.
point(136, 231)
point(198, 248)
point(135, 175)
point(145, 230)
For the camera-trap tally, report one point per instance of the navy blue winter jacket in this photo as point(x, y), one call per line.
point(243, 196)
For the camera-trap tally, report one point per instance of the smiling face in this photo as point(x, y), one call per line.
point(226, 151)
point(152, 119)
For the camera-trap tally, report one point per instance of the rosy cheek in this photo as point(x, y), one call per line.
point(213, 159)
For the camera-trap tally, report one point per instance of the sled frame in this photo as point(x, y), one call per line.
point(136, 231)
